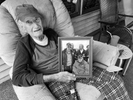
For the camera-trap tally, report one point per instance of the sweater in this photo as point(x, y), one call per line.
point(32, 61)
point(81, 68)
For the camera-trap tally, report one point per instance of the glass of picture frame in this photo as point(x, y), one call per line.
point(75, 55)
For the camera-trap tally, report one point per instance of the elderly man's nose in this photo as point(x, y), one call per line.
point(36, 25)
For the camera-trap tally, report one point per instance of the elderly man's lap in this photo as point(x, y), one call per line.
point(102, 83)
point(74, 91)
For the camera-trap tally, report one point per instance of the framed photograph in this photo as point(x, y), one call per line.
point(75, 55)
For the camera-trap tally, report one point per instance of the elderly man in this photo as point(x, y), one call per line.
point(81, 51)
point(36, 62)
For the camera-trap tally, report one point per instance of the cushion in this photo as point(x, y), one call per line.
point(87, 91)
point(36, 92)
point(104, 55)
point(9, 36)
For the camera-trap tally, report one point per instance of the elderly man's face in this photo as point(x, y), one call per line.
point(81, 47)
point(68, 48)
point(34, 26)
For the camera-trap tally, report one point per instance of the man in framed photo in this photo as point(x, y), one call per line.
point(67, 58)
point(87, 53)
point(74, 52)
point(81, 50)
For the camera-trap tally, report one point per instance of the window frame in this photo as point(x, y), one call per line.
point(79, 8)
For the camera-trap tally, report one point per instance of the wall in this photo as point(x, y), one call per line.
point(86, 23)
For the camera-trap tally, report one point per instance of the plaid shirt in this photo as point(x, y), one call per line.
point(109, 84)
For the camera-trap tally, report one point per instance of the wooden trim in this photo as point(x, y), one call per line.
point(85, 23)
point(4, 67)
point(88, 30)
point(4, 73)
point(84, 16)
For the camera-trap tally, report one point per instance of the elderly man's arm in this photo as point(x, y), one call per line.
point(23, 75)
point(61, 77)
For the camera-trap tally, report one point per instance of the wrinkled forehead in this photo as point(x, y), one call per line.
point(31, 19)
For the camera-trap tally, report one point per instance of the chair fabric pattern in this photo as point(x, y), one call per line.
point(9, 36)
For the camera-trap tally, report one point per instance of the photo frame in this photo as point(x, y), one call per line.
point(75, 55)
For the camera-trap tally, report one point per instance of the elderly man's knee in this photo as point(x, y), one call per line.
point(87, 92)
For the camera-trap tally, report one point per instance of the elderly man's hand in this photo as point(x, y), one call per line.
point(65, 76)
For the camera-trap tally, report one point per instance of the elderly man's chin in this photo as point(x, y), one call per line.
point(38, 34)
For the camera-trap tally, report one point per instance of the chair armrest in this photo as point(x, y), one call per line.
point(107, 23)
point(124, 15)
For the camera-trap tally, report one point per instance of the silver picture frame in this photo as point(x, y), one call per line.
point(70, 58)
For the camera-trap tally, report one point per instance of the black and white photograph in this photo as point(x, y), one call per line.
point(66, 49)
point(75, 55)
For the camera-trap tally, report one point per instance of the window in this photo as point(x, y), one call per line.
point(90, 5)
point(73, 7)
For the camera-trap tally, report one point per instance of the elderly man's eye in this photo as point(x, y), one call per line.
point(37, 20)
point(29, 22)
